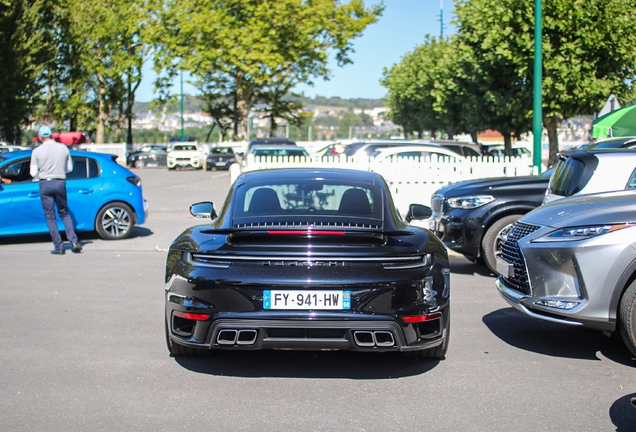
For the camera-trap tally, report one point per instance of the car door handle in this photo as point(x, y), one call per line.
point(85, 191)
point(34, 195)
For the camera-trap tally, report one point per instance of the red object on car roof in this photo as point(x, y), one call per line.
point(68, 138)
point(71, 138)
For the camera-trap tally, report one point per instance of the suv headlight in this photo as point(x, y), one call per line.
point(581, 232)
point(469, 202)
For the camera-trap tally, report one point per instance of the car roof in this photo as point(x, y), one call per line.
point(276, 147)
point(307, 173)
point(417, 147)
point(615, 142)
point(602, 152)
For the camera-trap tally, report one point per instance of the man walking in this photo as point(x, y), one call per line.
point(49, 163)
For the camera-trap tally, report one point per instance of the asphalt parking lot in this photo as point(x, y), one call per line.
point(82, 347)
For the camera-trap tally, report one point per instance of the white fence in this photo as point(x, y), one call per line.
point(115, 149)
point(412, 180)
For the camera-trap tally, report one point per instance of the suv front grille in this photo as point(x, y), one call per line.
point(511, 253)
point(437, 202)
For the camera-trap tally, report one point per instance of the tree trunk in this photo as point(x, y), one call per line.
point(553, 139)
point(507, 143)
point(207, 137)
point(101, 115)
point(273, 126)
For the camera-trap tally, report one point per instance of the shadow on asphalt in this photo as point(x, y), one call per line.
point(307, 364)
point(82, 236)
point(556, 340)
point(623, 414)
point(29, 238)
point(461, 265)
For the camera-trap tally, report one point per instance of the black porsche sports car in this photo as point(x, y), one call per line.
point(308, 259)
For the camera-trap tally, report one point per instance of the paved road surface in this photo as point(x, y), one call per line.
point(82, 348)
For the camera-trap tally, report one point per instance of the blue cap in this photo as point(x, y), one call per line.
point(44, 132)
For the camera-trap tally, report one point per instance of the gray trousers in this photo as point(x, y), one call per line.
point(52, 194)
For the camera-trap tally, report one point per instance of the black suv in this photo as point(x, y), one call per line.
point(469, 215)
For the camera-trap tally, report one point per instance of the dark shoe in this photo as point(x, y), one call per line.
point(58, 252)
point(77, 248)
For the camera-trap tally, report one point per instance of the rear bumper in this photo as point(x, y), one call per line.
point(359, 334)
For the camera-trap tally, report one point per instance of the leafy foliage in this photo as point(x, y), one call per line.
point(257, 45)
point(26, 50)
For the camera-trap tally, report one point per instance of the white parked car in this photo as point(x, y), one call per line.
point(12, 148)
point(274, 151)
point(420, 151)
point(184, 155)
point(517, 151)
point(591, 171)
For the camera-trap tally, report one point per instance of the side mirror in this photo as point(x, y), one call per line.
point(203, 210)
point(418, 212)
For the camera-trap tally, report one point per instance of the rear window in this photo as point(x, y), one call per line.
point(221, 150)
point(280, 152)
point(83, 168)
point(308, 201)
point(567, 177)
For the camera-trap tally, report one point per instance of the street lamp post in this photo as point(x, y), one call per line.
point(537, 126)
point(441, 19)
point(181, 104)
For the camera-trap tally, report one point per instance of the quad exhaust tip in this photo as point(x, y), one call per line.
point(366, 338)
point(237, 337)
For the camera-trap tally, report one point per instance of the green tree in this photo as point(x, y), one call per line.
point(100, 55)
point(349, 120)
point(588, 53)
point(27, 49)
point(258, 43)
point(410, 85)
point(280, 103)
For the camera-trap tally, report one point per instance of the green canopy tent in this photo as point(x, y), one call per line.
point(621, 122)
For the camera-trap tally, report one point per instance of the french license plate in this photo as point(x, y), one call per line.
point(304, 300)
point(505, 269)
point(221, 163)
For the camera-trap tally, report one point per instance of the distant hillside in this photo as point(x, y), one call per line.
point(194, 104)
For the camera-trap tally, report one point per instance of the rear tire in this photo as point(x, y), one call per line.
point(627, 317)
point(115, 221)
point(177, 350)
point(489, 245)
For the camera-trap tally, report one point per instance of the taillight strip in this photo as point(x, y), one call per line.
point(304, 232)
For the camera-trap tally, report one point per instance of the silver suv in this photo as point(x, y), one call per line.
point(573, 261)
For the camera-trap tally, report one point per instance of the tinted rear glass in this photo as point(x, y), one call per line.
point(83, 168)
point(308, 201)
point(567, 176)
point(280, 152)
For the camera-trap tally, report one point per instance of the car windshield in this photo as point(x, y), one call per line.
point(307, 201)
point(221, 150)
point(185, 148)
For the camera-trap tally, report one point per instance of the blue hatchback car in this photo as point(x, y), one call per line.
point(103, 196)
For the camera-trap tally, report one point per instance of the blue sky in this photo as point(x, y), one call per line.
point(403, 26)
